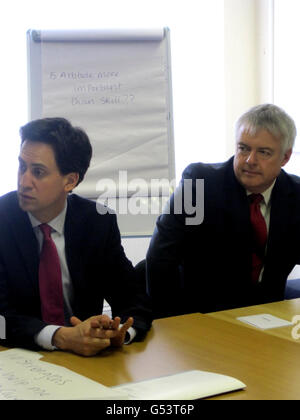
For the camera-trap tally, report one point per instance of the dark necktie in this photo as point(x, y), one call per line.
point(50, 281)
point(260, 233)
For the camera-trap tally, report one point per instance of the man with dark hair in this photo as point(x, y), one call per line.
point(71, 145)
point(247, 243)
point(60, 258)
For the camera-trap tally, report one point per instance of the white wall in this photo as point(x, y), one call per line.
point(248, 57)
point(135, 248)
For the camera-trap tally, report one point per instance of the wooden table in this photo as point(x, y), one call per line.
point(268, 364)
point(286, 309)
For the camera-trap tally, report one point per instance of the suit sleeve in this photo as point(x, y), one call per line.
point(165, 253)
point(126, 291)
point(20, 328)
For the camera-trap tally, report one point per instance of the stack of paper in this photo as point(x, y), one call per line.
point(264, 321)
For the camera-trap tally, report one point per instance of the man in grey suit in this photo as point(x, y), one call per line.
point(54, 158)
point(210, 266)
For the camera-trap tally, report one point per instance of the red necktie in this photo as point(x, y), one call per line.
point(259, 229)
point(50, 281)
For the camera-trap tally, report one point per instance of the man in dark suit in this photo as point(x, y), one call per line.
point(216, 264)
point(92, 266)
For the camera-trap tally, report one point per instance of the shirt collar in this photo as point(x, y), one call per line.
point(266, 194)
point(56, 224)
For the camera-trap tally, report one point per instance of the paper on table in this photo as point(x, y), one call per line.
point(23, 376)
point(188, 385)
point(264, 321)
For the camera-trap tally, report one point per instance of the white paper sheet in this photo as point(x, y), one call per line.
point(115, 91)
point(264, 321)
point(188, 385)
point(24, 377)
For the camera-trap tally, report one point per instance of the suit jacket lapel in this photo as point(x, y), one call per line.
point(237, 225)
point(74, 234)
point(236, 207)
point(280, 213)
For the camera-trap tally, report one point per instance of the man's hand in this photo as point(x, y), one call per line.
point(107, 328)
point(89, 337)
point(81, 337)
